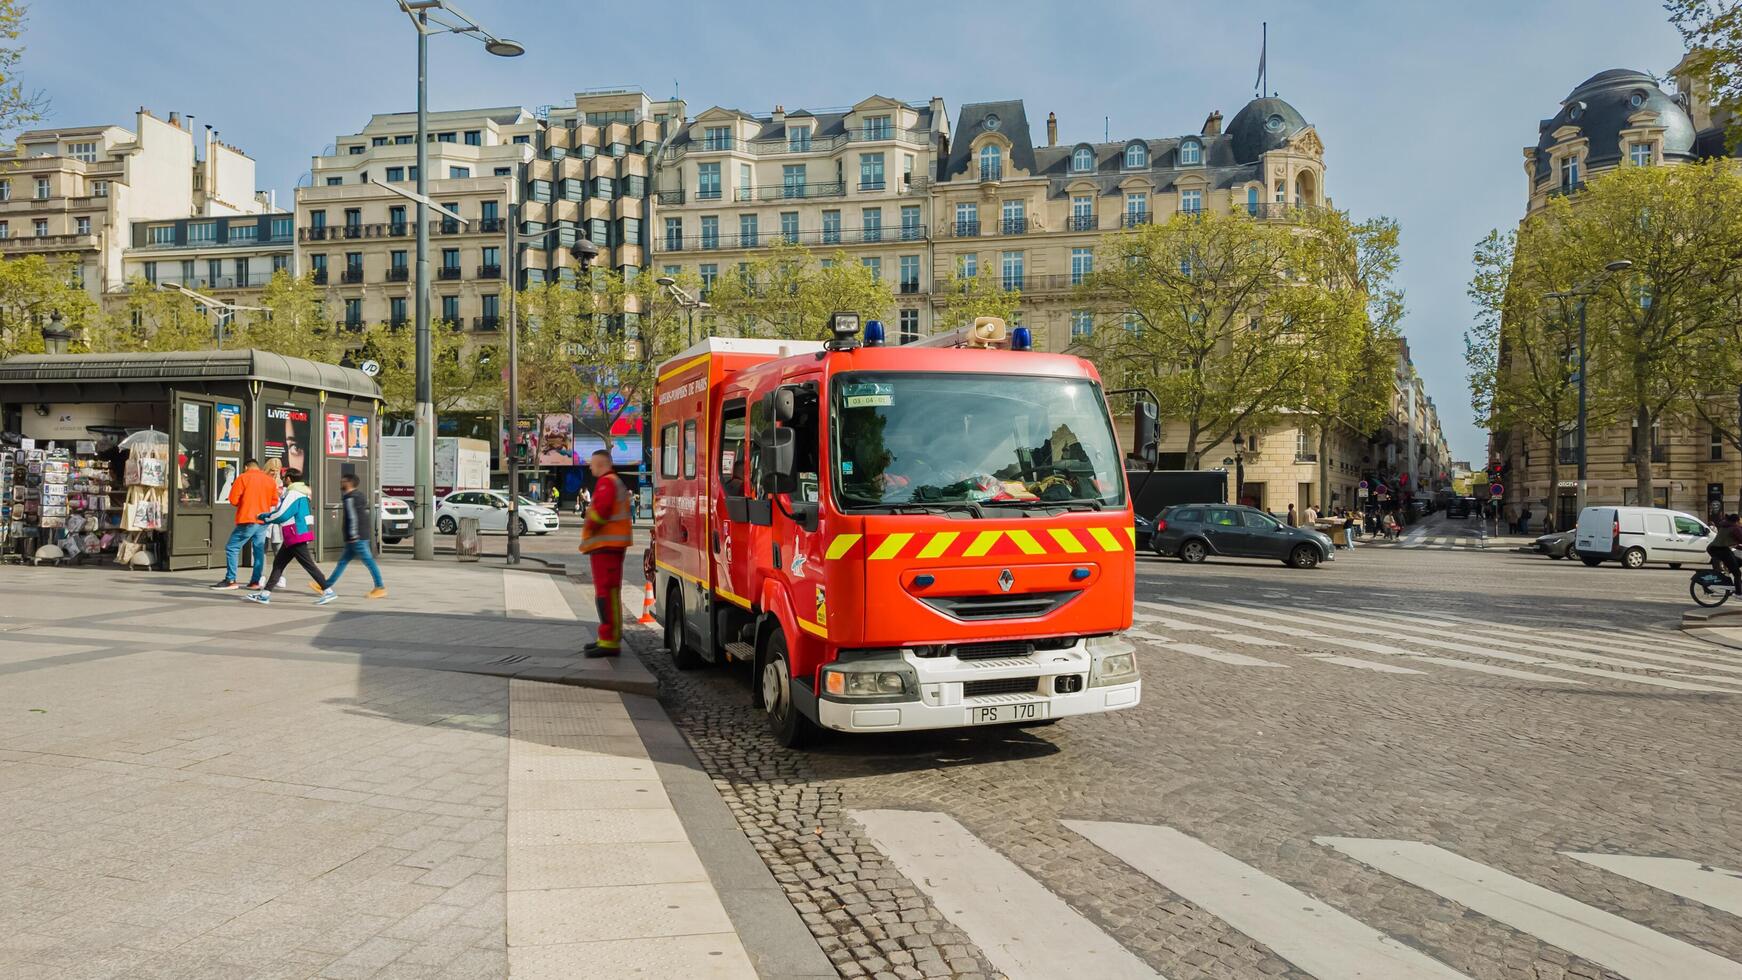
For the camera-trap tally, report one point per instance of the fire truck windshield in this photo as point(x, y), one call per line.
point(906, 439)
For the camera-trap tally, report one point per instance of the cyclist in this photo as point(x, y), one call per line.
point(1727, 535)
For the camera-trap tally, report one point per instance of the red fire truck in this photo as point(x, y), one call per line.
point(896, 538)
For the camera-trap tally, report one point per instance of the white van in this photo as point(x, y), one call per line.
point(1636, 535)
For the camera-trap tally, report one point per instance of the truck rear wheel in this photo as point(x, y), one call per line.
point(683, 655)
point(788, 725)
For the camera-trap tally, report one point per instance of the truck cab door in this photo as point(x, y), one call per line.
point(798, 538)
point(733, 536)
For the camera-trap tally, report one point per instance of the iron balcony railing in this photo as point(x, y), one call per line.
point(353, 325)
point(398, 322)
point(351, 277)
point(974, 228)
point(1301, 457)
point(710, 243)
point(448, 272)
point(991, 172)
point(1012, 283)
point(814, 144)
point(669, 197)
point(352, 231)
point(908, 286)
point(491, 225)
point(1132, 219)
point(1012, 226)
point(489, 272)
point(791, 192)
point(871, 184)
point(1568, 455)
point(249, 281)
point(486, 323)
point(398, 273)
point(319, 276)
point(708, 194)
point(1282, 210)
point(1080, 222)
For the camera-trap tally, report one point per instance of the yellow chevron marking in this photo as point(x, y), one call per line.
point(842, 544)
point(1026, 542)
point(810, 627)
point(982, 544)
point(939, 543)
point(1131, 533)
point(891, 546)
point(1068, 541)
point(1105, 539)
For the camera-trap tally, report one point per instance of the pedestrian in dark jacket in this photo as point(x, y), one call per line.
point(359, 531)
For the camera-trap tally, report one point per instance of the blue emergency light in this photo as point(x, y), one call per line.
point(1021, 339)
point(874, 333)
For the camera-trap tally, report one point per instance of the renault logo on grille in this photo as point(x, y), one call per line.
point(1005, 580)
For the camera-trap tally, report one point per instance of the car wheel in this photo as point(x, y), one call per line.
point(683, 656)
point(789, 727)
point(1193, 552)
point(391, 540)
point(1591, 560)
point(1633, 558)
point(520, 526)
point(1304, 556)
point(446, 525)
point(1675, 564)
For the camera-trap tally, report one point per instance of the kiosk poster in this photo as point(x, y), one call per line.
point(229, 435)
point(556, 442)
point(335, 435)
point(359, 437)
point(287, 436)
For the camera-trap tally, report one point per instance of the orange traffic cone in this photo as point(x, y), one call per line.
point(647, 607)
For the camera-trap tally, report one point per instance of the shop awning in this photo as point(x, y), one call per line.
point(186, 366)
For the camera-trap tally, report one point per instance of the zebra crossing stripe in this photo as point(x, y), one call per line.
point(1360, 664)
point(1220, 656)
point(1026, 931)
point(1319, 939)
point(1601, 937)
point(1717, 887)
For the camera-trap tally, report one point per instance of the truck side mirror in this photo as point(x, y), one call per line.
point(779, 462)
point(785, 404)
point(1146, 441)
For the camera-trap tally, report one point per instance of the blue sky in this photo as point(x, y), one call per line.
point(1423, 108)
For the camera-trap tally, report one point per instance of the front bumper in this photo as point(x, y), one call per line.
point(942, 703)
point(396, 529)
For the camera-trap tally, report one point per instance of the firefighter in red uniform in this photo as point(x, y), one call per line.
point(606, 534)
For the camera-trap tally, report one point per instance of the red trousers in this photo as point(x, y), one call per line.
point(608, 595)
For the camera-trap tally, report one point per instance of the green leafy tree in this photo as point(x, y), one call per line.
point(151, 319)
point(18, 106)
point(968, 297)
point(465, 373)
point(1712, 30)
point(32, 289)
point(293, 321)
point(1201, 312)
point(788, 293)
point(1655, 327)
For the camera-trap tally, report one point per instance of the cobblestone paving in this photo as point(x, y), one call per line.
point(1257, 764)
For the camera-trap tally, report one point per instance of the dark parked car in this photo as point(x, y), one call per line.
point(1556, 545)
point(1196, 531)
point(1145, 530)
point(1461, 507)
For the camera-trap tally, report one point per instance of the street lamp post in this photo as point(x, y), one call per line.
point(447, 19)
point(54, 336)
point(689, 303)
point(583, 252)
point(1583, 293)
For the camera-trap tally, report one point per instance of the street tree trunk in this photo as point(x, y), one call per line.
point(1642, 455)
point(1324, 462)
point(1552, 504)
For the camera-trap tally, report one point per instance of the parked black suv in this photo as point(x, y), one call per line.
point(1461, 507)
point(1197, 531)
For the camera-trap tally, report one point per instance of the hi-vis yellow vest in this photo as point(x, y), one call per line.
point(613, 530)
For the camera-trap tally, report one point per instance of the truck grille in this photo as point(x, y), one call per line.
point(1006, 685)
point(1027, 605)
point(987, 651)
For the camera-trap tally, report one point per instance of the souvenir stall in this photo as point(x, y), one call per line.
point(131, 456)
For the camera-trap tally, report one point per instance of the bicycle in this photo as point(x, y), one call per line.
point(1711, 587)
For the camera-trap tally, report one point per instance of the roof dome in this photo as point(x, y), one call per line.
point(1599, 107)
point(1263, 125)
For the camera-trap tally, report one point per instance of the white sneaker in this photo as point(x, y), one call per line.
point(326, 597)
point(281, 583)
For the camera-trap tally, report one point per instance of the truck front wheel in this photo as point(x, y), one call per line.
point(789, 726)
point(683, 655)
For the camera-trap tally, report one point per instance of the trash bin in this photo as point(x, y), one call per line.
point(467, 544)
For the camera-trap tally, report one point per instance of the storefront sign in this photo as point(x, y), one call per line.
point(358, 446)
point(287, 436)
point(190, 417)
point(336, 437)
point(229, 435)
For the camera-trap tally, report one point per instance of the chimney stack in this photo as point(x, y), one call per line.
point(175, 119)
point(1213, 123)
point(1052, 129)
point(779, 114)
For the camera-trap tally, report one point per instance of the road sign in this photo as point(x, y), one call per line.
point(1362, 485)
point(371, 368)
point(1496, 490)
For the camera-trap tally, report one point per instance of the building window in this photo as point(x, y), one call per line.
point(909, 274)
point(710, 231)
point(1136, 156)
point(872, 224)
point(789, 227)
point(1082, 263)
point(353, 313)
point(1639, 154)
point(83, 152)
point(1082, 324)
point(875, 264)
point(1716, 448)
point(717, 138)
point(877, 128)
point(522, 139)
point(1082, 160)
point(991, 162)
point(747, 235)
point(1252, 201)
point(907, 322)
point(674, 234)
point(5, 229)
point(969, 265)
point(395, 175)
point(42, 188)
point(1137, 206)
point(457, 173)
point(798, 139)
point(450, 259)
point(708, 182)
point(1191, 202)
point(910, 226)
point(967, 219)
point(161, 234)
point(100, 188)
point(870, 171)
point(709, 272)
point(746, 182)
point(396, 311)
point(451, 310)
point(151, 273)
point(202, 231)
point(335, 181)
point(1015, 218)
point(1012, 268)
point(244, 232)
point(604, 188)
point(280, 263)
point(1191, 153)
point(792, 178)
point(1569, 173)
point(396, 259)
point(474, 137)
point(5, 190)
point(831, 227)
point(1082, 213)
point(81, 225)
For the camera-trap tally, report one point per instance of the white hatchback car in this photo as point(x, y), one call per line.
point(490, 507)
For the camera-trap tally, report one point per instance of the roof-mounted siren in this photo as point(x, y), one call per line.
point(843, 331)
point(1021, 339)
point(874, 335)
point(987, 331)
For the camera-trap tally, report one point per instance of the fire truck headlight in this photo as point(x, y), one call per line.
point(868, 680)
point(1114, 661)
